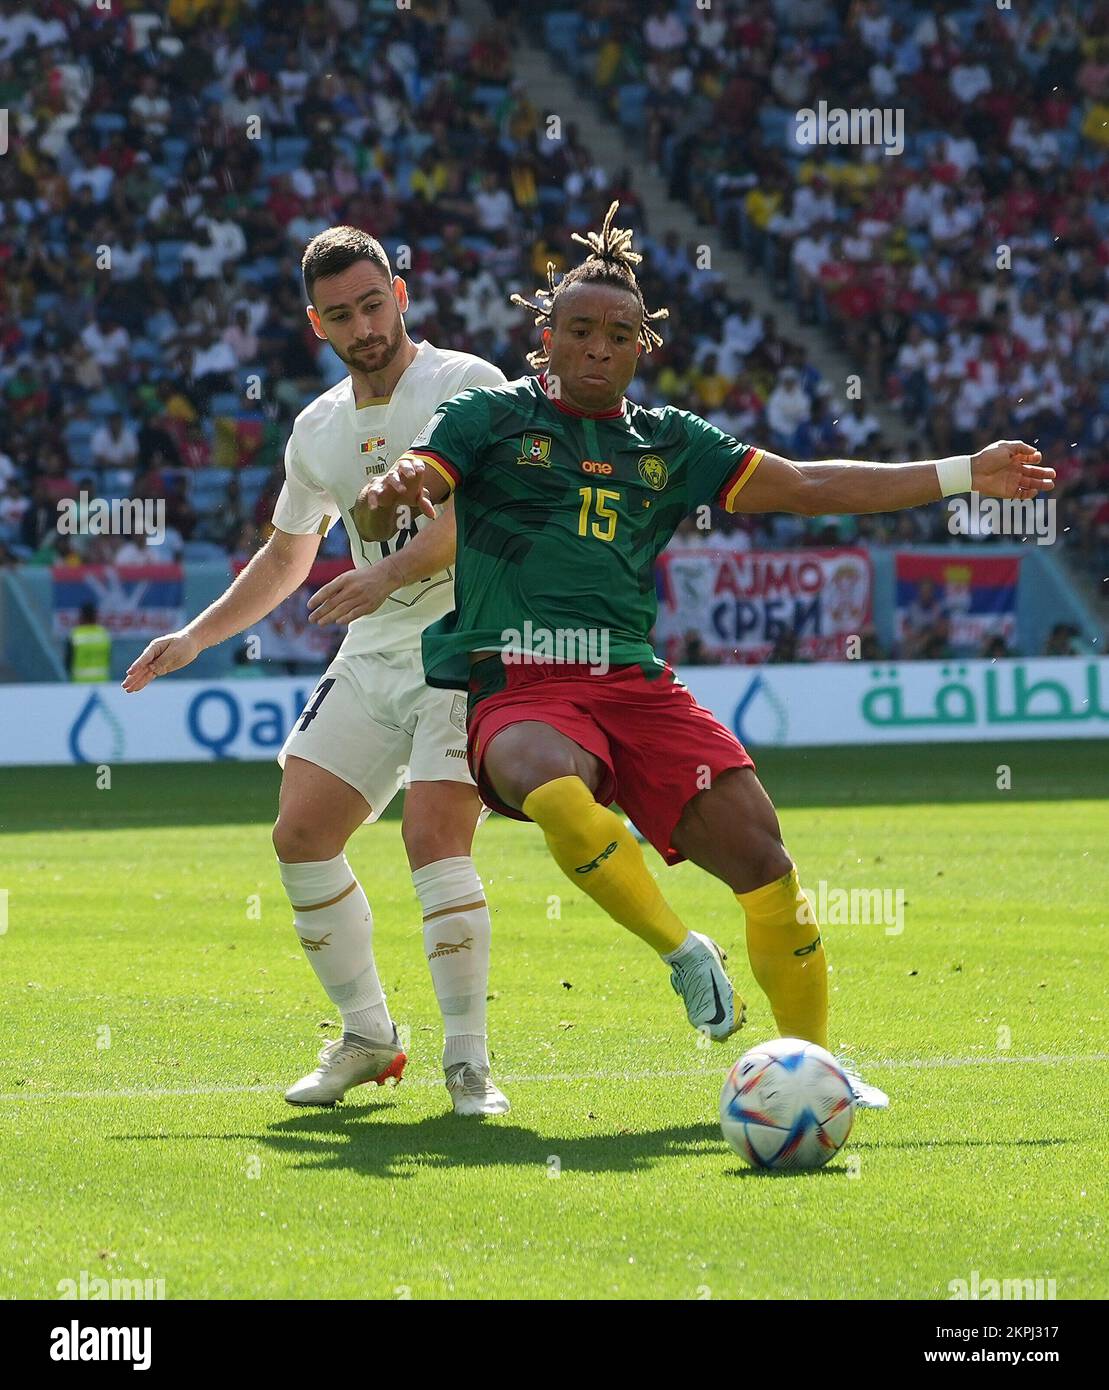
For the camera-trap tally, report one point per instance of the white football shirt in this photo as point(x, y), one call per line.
point(335, 447)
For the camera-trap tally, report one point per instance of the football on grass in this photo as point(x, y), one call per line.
point(787, 1105)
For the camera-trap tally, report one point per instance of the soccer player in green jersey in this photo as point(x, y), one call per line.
point(566, 492)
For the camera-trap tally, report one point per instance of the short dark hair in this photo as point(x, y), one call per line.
point(336, 250)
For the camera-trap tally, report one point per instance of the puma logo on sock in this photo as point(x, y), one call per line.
point(450, 948)
point(310, 945)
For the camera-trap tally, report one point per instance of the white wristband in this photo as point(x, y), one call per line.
point(954, 475)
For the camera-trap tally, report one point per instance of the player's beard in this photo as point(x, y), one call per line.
point(376, 356)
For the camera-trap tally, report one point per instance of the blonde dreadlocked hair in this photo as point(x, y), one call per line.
point(610, 262)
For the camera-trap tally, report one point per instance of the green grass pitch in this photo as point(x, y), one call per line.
point(155, 1004)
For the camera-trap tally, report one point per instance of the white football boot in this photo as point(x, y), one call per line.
point(866, 1097)
point(346, 1062)
point(711, 1004)
point(472, 1092)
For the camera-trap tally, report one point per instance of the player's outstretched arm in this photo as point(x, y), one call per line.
point(393, 500)
point(360, 591)
point(282, 565)
point(1007, 468)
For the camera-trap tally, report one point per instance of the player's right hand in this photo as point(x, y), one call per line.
point(391, 501)
point(163, 655)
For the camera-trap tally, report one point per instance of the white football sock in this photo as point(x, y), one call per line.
point(456, 943)
point(335, 926)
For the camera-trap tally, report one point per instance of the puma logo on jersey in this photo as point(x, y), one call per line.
point(450, 948)
point(310, 945)
point(600, 859)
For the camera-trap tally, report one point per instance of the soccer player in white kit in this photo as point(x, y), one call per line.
point(371, 725)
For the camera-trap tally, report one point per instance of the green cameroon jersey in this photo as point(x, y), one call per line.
point(561, 517)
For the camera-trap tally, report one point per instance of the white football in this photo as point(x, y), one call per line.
point(787, 1105)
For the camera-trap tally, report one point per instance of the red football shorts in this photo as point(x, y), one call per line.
point(658, 746)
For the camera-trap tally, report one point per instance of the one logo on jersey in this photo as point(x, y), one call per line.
point(536, 448)
point(369, 445)
point(653, 471)
point(596, 466)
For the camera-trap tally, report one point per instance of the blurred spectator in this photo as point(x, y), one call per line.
point(787, 408)
point(114, 443)
point(784, 651)
point(1063, 641)
point(995, 648)
point(694, 653)
point(133, 551)
point(89, 648)
point(858, 427)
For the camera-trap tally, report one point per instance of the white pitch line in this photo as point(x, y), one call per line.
point(892, 1064)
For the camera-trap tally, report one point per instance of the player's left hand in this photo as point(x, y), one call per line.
point(1010, 468)
point(352, 595)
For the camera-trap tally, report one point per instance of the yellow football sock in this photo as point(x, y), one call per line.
point(787, 957)
point(595, 850)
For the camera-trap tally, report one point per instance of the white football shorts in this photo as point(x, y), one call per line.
point(373, 722)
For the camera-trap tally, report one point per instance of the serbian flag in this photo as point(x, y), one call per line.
point(976, 594)
point(131, 600)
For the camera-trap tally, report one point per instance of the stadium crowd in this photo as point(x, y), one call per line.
point(967, 276)
point(168, 160)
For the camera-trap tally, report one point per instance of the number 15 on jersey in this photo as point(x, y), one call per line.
point(597, 517)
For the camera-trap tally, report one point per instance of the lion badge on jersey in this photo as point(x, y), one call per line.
point(653, 471)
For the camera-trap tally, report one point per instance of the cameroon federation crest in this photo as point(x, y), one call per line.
point(536, 448)
point(653, 471)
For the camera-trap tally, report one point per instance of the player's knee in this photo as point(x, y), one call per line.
point(296, 841)
point(762, 859)
point(427, 844)
point(774, 862)
point(515, 781)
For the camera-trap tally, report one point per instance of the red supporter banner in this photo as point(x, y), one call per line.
point(286, 634)
point(130, 600)
point(741, 602)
